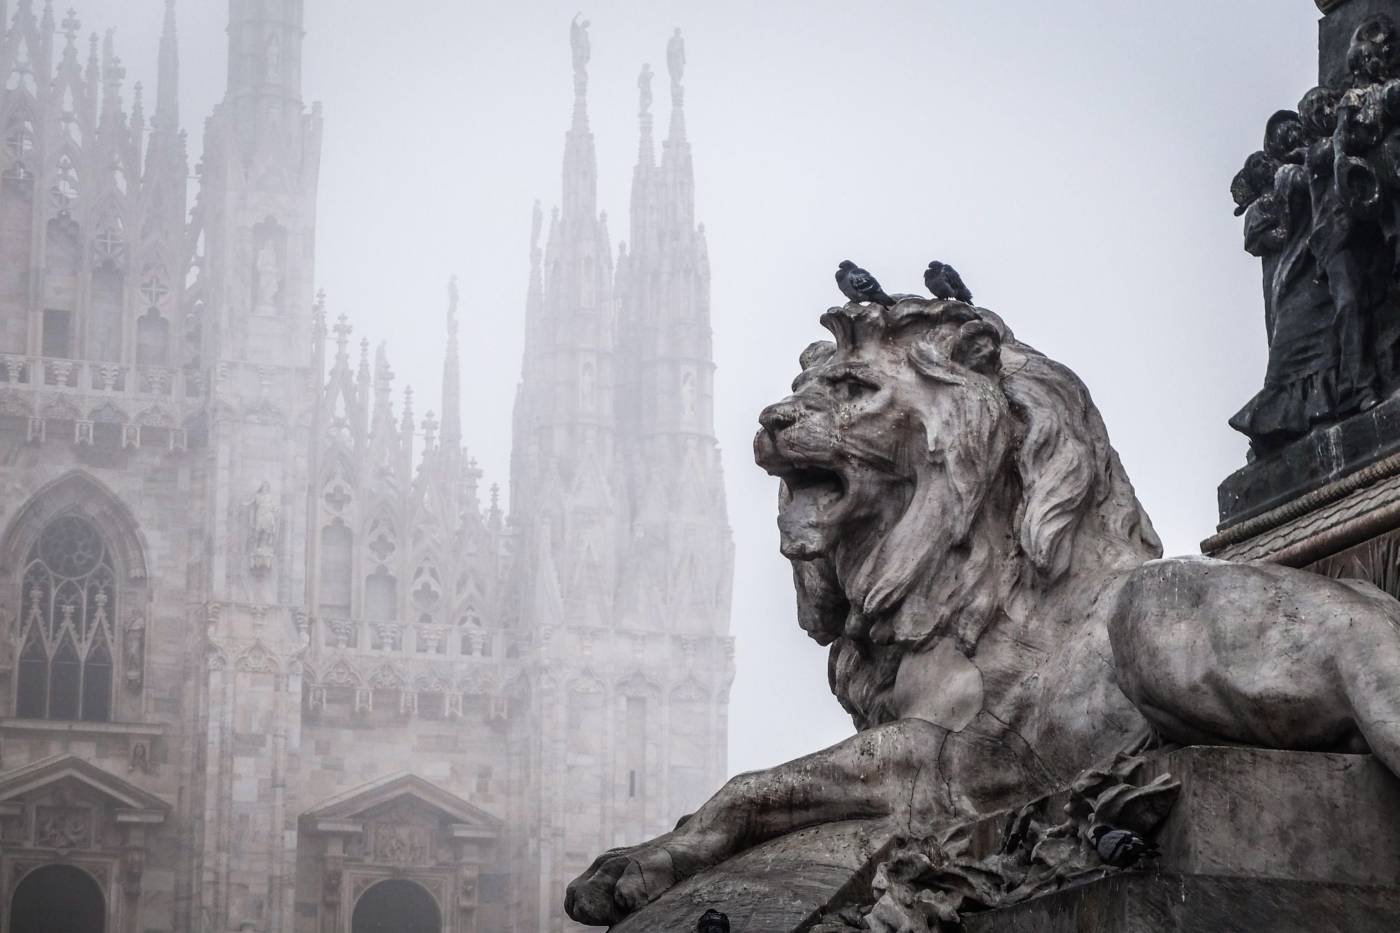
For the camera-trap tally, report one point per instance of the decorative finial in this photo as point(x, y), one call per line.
point(71, 26)
point(342, 331)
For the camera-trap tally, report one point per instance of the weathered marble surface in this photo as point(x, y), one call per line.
point(776, 886)
point(1174, 903)
point(966, 543)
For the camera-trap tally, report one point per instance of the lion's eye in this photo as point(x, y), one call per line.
point(851, 387)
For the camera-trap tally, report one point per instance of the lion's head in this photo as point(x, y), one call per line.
point(934, 468)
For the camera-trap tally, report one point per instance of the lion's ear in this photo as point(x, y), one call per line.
point(817, 353)
point(978, 347)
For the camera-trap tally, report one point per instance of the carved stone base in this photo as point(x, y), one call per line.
point(1349, 528)
point(1306, 466)
point(1258, 840)
point(1172, 903)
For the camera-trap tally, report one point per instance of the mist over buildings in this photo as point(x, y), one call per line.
point(1071, 159)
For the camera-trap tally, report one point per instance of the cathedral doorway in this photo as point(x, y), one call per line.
point(57, 899)
point(396, 906)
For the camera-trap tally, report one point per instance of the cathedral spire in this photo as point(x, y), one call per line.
point(112, 75)
point(580, 160)
point(451, 378)
point(168, 82)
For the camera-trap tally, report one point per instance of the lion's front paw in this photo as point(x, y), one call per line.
point(619, 882)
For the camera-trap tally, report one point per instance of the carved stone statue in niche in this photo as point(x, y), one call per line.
point(274, 59)
point(1322, 210)
point(264, 519)
point(134, 650)
point(9, 634)
point(268, 279)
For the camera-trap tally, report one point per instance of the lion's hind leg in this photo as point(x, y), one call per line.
point(1368, 664)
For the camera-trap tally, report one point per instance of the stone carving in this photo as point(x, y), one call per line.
point(582, 52)
point(396, 844)
point(1321, 203)
point(62, 827)
point(933, 883)
point(9, 640)
point(264, 519)
point(675, 60)
point(269, 279)
point(134, 650)
point(966, 543)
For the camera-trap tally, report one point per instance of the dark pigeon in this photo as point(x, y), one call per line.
point(712, 921)
point(944, 283)
point(1121, 848)
point(858, 285)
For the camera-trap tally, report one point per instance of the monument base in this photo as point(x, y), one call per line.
point(1165, 902)
point(1307, 468)
point(1257, 840)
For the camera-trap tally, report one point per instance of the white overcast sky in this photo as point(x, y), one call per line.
point(1071, 158)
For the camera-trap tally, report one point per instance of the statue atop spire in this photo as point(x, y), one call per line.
point(675, 61)
point(453, 299)
point(644, 87)
point(583, 51)
point(451, 378)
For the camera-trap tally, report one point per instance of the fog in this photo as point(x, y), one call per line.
point(1072, 159)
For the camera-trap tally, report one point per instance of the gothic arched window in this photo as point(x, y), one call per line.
point(69, 603)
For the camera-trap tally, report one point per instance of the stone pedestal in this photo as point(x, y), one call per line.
point(1258, 840)
point(1166, 902)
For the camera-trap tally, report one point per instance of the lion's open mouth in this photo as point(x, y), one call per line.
point(816, 486)
point(809, 508)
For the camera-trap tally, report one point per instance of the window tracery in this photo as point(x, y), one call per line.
point(67, 631)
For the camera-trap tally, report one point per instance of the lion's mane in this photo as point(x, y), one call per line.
point(1021, 490)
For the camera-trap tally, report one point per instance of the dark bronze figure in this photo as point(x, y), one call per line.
point(1322, 211)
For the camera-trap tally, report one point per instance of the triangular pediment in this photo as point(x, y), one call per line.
point(359, 802)
point(57, 769)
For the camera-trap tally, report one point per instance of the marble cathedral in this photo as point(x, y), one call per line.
point(268, 661)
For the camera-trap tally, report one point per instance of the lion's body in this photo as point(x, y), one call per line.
point(966, 542)
point(1257, 654)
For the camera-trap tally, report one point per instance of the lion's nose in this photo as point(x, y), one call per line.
point(776, 417)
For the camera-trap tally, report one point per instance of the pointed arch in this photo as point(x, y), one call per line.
point(80, 492)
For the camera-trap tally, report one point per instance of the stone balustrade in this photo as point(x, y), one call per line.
point(98, 402)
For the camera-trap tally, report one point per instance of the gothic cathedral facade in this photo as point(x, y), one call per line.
point(268, 661)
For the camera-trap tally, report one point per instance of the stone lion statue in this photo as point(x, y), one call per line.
point(967, 544)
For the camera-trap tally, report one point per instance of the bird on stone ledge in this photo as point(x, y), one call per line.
point(858, 285)
point(944, 283)
point(1120, 848)
point(712, 921)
